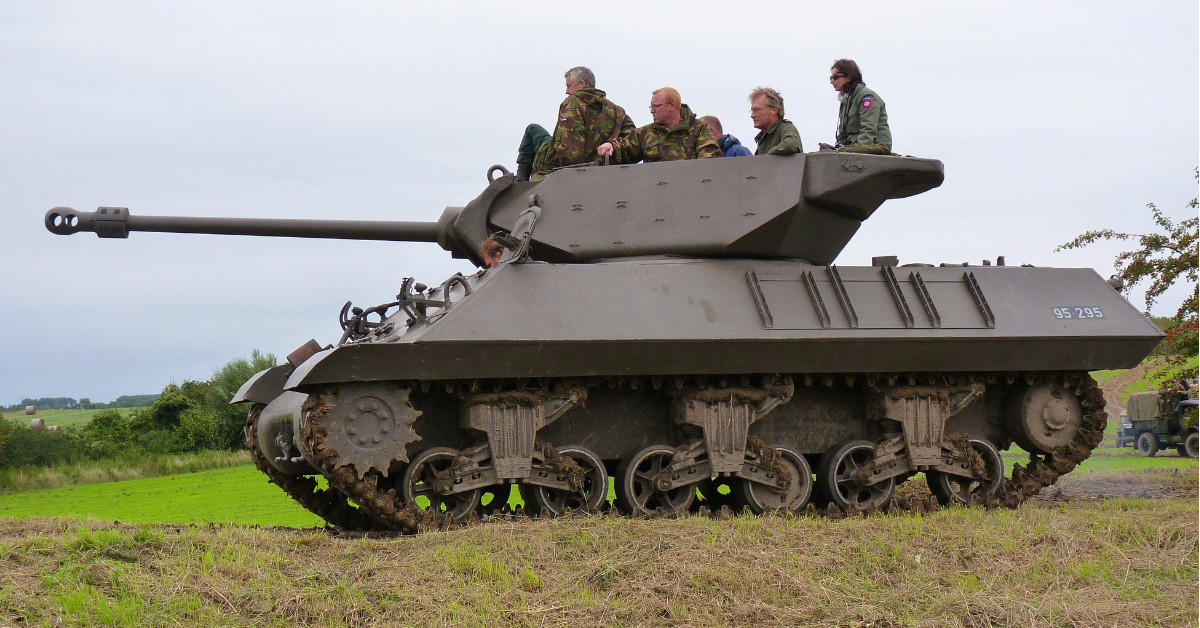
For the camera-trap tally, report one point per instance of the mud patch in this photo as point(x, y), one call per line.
point(1145, 484)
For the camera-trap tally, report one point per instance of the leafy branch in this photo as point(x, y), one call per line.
point(1165, 258)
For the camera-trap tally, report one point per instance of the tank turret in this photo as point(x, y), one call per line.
point(797, 207)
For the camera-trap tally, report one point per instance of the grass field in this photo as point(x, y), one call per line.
point(232, 495)
point(64, 418)
point(1123, 562)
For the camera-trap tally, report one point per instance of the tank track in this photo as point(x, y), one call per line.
point(329, 504)
point(382, 509)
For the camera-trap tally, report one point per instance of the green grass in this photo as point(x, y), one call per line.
point(63, 418)
point(238, 495)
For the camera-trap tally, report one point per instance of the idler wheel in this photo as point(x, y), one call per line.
point(1147, 444)
point(962, 489)
point(760, 498)
point(558, 501)
point(638, 487)
point(421, 478)
point(1044, 417)
point(835, 477)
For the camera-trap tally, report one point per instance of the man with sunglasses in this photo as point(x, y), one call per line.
point(862, 118)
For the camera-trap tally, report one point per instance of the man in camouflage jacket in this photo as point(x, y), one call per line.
point(675, 134)
point(586, 119)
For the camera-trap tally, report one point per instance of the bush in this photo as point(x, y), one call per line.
point(188, 417)
point(22, 446)
point(198, 430)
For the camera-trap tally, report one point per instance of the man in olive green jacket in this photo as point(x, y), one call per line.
point(586, 119)
point(776, 136)
point(862, 117)
point(675, 134)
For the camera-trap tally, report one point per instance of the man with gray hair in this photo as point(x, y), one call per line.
point(586, 119)
point(776, 136)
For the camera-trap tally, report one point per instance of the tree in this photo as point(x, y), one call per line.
point(1164, 258)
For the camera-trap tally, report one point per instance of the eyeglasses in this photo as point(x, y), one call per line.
point(661, 104)
point(759, 109)
point(837, 75)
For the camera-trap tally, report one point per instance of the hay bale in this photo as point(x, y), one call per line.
point(30, 410)
point(53, 428)
point(37, 425)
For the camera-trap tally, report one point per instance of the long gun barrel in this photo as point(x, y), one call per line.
point(117, 222)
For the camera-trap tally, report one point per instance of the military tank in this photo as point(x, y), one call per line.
point(680, 331)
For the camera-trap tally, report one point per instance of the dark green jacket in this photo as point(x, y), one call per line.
point(781, 139)
point(586, 119)
point(690, 139)
point(862, 120)
point(535, 136)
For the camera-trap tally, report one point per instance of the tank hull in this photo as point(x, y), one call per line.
point(666, 317)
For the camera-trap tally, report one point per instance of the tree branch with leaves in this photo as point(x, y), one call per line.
point(1164, 258)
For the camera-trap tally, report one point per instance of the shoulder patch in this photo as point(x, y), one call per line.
point(866, 102)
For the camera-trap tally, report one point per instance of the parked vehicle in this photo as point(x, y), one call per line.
point(1154, 421)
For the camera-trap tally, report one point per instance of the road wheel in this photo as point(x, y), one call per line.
point(1191, 445)
point(591, 496)
point(961, 489)
point(419, 480)
point(637, 489)
point(1147, 444)
point(835, 477)
point(760, 498)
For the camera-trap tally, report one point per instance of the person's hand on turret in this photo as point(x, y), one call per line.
point(605, 149)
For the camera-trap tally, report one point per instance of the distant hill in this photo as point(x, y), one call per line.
point(66, 403)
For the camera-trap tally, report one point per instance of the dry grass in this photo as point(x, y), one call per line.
point(1114, 562)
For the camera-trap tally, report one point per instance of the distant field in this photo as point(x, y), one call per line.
point(65, 418)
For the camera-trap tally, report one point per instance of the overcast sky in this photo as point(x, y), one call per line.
point(1051, 119)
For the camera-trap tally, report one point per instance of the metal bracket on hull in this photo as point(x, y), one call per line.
point(511, 420)
point(724, 415)
point(922, 411)
point(980, 300)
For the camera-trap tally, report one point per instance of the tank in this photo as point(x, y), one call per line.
point(679, 334)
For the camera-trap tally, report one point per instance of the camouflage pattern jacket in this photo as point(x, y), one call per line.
point(586, 119)
point(689, 139)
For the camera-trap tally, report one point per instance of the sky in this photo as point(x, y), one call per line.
point(1051, 118)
